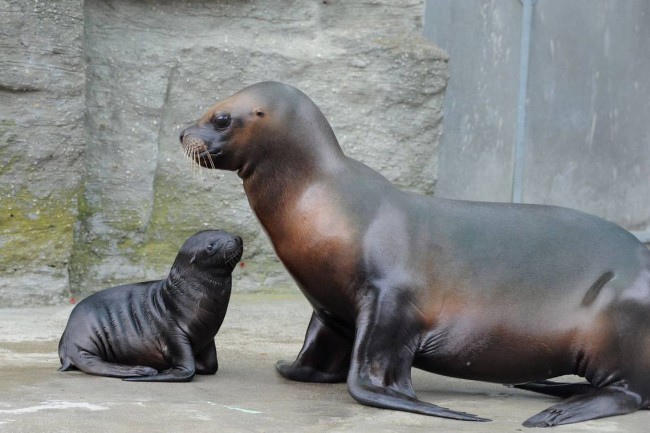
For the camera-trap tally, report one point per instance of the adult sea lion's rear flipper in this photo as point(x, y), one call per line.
point(557, 389)
point(384, 348)
point(607, 401)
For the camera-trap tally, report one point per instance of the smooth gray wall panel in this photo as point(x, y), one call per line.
point(587, 133)
point(588, 128)
point(482, 39)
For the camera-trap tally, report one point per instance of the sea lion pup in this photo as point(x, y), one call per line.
point(496, 292)
point(157, 331)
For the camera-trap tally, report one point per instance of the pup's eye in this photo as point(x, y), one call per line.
point(210, 248)
point(221, 120)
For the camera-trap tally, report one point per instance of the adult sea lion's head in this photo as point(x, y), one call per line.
point(268, 121)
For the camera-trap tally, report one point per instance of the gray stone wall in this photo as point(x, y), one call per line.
point(152, 67)
point(41, 144)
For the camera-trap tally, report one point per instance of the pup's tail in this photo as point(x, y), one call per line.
point(66, 362)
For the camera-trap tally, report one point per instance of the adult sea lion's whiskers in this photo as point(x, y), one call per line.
point(214, 172)
point(187, 157)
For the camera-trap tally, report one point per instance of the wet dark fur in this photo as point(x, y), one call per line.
point(159, 331)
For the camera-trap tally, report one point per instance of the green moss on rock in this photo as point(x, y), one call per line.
point(36, 232)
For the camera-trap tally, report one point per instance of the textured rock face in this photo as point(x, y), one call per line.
point(41, 143)
point(154, 67)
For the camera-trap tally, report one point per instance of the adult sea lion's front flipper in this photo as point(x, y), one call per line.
point(385, 345)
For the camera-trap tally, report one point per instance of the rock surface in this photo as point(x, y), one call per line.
point(41, 146)
point(153, 67)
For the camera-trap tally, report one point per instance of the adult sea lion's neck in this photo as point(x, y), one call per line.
point(273, 191)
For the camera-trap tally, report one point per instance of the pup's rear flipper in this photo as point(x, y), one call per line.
point(93, 364)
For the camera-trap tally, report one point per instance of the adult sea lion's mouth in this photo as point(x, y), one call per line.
point(206, 159)
point(207, 154)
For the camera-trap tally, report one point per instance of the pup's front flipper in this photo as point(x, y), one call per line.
point(181, 357)
point(206, 360)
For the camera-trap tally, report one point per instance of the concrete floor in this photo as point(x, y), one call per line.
point(246, 395)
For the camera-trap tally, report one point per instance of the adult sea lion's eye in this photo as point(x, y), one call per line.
point(221, 120)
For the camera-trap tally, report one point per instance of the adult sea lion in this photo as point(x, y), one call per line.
point(157, 331)
point(496, 292)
